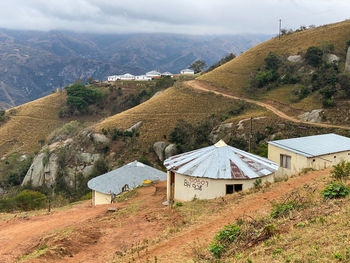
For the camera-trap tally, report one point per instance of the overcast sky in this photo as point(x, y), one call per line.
point(171, 16)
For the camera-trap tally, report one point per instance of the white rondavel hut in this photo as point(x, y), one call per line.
point(215, 171)
point(105, 186)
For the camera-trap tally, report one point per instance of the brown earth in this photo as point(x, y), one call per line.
point(91, 234)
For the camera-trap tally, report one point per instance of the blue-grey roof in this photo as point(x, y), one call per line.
point(312, 146)
point(132, 174)
point(221, 161)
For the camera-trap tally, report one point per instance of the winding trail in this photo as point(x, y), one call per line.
point(197, 85)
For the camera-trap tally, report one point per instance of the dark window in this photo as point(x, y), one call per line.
point(335, 157)
point(238, 187)
point(229, 189)
point(285, 161)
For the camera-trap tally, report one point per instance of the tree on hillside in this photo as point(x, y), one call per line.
point(272, 61)
point(198, 65)
point(313, 56)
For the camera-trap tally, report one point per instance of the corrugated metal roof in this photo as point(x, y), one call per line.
point(316, 145)
point(132, 174)
point(221, 161)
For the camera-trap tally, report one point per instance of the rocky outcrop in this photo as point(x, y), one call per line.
point(331, 58)
point(43, 170)
point(214, 136)
point(170, 150)
point(347, 61)
point(100, 138)
point(159, 148)
point(240, 124)
point(295, 59)
point(313, 116)
point(135, 127)
point(88, 157)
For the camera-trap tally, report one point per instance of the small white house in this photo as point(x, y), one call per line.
point(127, 76)
point(215, 171)
point(167, 74)
point(105, 186)
point(143, 78)
point(316, 152)
point(187, 72)
point(153, 74)
point(112, 78)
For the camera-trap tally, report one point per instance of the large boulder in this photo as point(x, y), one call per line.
point(295, 59)
point(88, 158)
point(347, 61)
point(100, 138)
point(43, 171)
point(170, 150)
point(135, 127)
point(313, 116)
point(214, 135)
point(331, 58)
point(159, 148)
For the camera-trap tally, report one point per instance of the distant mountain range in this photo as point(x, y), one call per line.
point(32, 64)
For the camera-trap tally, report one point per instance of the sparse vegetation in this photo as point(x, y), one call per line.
point(222, 61)
point(335, 190)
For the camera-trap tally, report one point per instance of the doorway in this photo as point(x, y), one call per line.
point(172, 187)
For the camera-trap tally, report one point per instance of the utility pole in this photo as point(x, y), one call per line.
point(279, 29)
point(250, 135)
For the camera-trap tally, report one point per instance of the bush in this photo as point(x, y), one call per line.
point(29, 200)
point(283, 208)
point(143, 159)
point(2, 115)
point(228, 234)
point(313, 56)
point(79, 97)
point(341, 171)
point(335, 190)
point(217, 249)
point(272, 61)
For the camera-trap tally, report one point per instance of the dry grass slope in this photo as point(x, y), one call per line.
point(30, 123)
point(233, 76)
point(161, 113)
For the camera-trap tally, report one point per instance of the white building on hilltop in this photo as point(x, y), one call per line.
point(153, 74)
point(143, 78)
point(187, 72)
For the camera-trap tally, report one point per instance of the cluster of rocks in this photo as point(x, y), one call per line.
point(164, 150)
point(45, 167)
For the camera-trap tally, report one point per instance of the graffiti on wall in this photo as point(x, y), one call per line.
point(196, 183)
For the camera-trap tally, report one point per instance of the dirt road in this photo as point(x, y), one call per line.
point(197, 85)
point(18, 234)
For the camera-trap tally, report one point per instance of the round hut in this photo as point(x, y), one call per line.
point(215, 171)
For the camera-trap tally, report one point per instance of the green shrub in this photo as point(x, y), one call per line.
point(2, 115)
point(257, 183)
point(179, 204)
point(143, 159)
point(341, 171)
point(7, 204)
point(79, 97)
point(87, 196)
point(228, 234)
point(283, 208)
point(272, 61)
point(335, 190)
point(217, 249)
point(29, 200)
point(313, 56)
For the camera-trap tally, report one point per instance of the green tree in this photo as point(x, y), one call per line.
point(272, 61)
point(313, 56)
point(79, 97)
point(222, 61)
point(198, 65)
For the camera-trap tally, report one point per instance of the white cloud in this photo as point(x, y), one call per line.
point(172, 16)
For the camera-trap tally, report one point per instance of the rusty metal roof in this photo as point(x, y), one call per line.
point(221, 161)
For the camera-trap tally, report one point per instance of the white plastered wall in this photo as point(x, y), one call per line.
point(188, 188)
point(99, 198)
point(300, 162)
